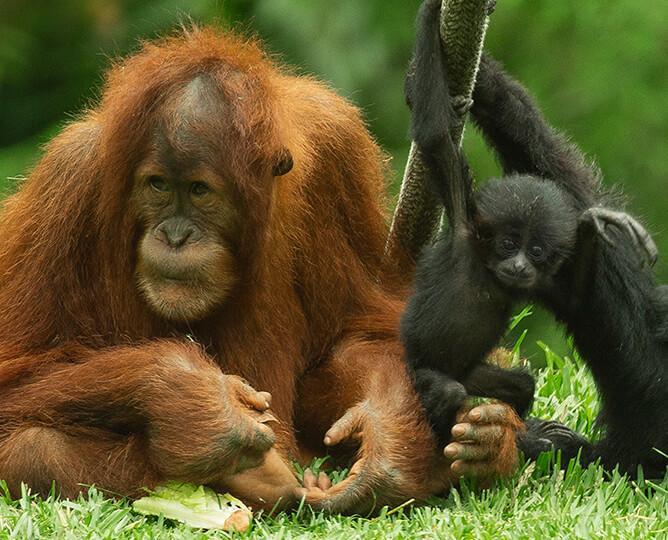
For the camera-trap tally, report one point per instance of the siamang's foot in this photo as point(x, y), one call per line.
point(601, 217)
point(442, 397)
point(547, 435)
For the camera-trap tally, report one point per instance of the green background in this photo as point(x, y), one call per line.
point(599, 70)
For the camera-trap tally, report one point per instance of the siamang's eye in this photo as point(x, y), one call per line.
point(158, 183)
point(508, 244)
point(536, 252)
point(199, 188)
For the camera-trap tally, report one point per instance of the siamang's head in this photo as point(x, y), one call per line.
point(527, 228)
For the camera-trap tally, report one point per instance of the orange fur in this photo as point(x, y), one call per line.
point(96, 388)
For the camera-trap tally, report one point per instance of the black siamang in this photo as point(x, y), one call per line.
point(543, 234)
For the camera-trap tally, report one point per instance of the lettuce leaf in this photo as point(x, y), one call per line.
point(197, 506)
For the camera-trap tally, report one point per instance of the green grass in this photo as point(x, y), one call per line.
point(539, 501)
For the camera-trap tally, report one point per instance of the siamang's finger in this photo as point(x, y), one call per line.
point(467, 452)
point(630, 230)
point(346, 427)
point(641, 239)
point(552, 428)
point(490, 413)
point(461, 105)
point(485, 435)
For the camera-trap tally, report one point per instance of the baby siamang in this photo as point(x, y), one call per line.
point(541, 234)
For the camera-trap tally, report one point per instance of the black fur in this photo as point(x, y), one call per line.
point(465, 286)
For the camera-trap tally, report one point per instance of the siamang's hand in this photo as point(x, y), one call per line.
point(483, 442)
point(601, 217)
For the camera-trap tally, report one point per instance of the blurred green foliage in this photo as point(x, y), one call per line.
point(599, 69)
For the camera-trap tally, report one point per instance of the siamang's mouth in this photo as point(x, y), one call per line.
point(515, 281)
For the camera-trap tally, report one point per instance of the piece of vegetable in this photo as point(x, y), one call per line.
point(196, 506)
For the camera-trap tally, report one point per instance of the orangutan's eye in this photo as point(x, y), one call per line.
point(199, 188)
point(158, 183)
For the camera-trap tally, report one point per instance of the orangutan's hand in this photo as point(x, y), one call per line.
point(384, 471)
point(483, 444)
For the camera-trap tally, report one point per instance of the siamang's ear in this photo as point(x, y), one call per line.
point(282, 162)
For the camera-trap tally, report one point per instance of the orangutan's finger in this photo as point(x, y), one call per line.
point(341, 497)
point(484, 434)
point(266, 417)
point(345, 427)
point(324, 482)
point(310, 480)
point(466, 452)
point(474, 469)
point(259, 401)
point(491, 413)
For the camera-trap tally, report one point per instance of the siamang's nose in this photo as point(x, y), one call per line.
point(520, 267)
point(176, 231)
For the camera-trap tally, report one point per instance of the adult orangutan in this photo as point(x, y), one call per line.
point(213, 227)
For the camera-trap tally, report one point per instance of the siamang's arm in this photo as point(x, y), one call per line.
point(526, 144)
point(432, 116)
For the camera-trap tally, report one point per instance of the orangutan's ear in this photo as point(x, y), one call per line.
point(282, 162)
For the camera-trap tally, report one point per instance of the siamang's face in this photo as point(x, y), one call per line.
point(519, 260)
point(527, 228)
point(525, 258)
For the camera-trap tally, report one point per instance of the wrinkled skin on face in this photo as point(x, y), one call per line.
point(187, 261)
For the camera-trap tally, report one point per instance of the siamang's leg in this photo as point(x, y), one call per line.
point(614, 450)
point(525, 142)
point(598, 218)
point(442, 397)
point(593, 227)
point(513, 386)
point(127, 415)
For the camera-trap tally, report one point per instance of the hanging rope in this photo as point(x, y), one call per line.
point(417, 215)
